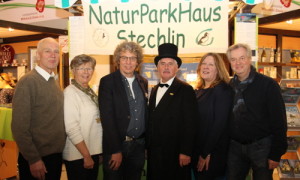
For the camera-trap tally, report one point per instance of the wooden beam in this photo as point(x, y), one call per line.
point(35, 37)
point(279, 17)
point(28, 27)
point(278, 31)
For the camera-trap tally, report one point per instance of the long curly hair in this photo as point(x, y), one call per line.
point(131, 47)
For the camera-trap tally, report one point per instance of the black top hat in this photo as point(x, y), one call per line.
point(167, 50)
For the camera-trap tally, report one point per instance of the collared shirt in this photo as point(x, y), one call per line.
point(45, 74)
point(162, 90)
point(130, 81)
point(136, 101)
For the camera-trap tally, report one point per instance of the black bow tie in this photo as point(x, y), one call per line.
point(162, 85)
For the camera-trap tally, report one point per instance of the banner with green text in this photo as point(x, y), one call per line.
point(195, 26)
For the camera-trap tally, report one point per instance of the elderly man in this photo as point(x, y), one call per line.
point(38, 121)
point(172, 117)
point(258, 125)
point(123, 112)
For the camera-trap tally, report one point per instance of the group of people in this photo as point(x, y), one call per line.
point(220, 130)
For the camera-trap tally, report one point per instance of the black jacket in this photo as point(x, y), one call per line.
point(171, 131)
point(114, 110)
point(265, 115)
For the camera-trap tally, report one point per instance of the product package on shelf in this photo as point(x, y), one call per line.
point(293, 116)
point(295, 164)
point(285, 170)
point(293, 143)
point(291, 96)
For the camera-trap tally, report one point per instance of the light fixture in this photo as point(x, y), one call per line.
point(289, 21)
point(10, 29)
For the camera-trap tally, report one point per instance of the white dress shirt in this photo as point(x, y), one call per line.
point(162, 90)
point(45, 74)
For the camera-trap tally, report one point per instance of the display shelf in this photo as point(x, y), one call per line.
point(279, 71)
point(293, 131)
point(9, 67)
point(290, 89)
point(277, 64)
point(17, 71)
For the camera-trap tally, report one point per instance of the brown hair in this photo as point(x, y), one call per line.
point(222, 73)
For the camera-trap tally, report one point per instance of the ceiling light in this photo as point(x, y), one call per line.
point(10, 29)
point(289, 21)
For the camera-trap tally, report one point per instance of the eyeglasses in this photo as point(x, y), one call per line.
point(125, 58)
point(84, 69)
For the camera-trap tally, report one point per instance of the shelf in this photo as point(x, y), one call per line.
point(293, 131)
point(7, 67)
point(277, 64)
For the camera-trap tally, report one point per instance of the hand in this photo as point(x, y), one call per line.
point(272, 164)
point(38, 170)
point(88, 162)
point(203, 163)
point(184, 160)
point(115, 161)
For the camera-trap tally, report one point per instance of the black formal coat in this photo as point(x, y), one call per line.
point(114, 110)
point(214, 108)
point(171, 131)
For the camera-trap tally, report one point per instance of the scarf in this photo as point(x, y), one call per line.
point(239, 106)
point(88, 91)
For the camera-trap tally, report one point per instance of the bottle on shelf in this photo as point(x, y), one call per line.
point(272, 55)
point(293, 56)
point(263, 55)
point(278, 55)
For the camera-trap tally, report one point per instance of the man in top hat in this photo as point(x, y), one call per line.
point(172, 117)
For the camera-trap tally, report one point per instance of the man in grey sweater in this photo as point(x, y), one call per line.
point(38, 121)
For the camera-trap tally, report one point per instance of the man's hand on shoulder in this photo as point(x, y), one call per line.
point(38, 170)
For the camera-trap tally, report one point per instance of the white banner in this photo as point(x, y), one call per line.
point(31, 11)
point(194, 26)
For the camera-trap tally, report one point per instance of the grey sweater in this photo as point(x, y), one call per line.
point(38, 121)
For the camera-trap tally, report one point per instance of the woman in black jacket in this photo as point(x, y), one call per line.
point(214, 97)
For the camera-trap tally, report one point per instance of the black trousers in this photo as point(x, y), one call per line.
point(76, 171)
point(53, 163)
point(132, 165)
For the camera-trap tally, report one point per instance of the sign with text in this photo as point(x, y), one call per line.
point(7, 54)
point(272, 7)
point(194, 26)
point(246, 31)
point(31, 11)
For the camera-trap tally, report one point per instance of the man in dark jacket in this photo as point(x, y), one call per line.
point(258, 125)
point(123, 112)
point(170, 132)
